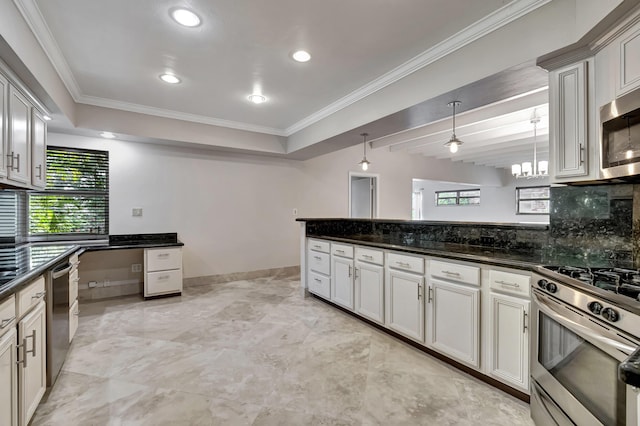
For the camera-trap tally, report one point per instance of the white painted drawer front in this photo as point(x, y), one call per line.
point(455, 272)
point(319, 245)
point(510, 282)
point(73, 259)
point(30, 296)
point(404, 262)
point(7, 314)
point(319, 262)
point(370, 256)
point(73, 287)
point(342, 250)
point(74, 317)
point(164, 259)
point(163, 282)
point(320, 285)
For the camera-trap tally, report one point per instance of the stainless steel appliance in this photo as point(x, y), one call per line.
point(586, 331)
point(620, 137)
point(57, 319)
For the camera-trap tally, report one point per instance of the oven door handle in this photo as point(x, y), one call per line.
point(547, 308)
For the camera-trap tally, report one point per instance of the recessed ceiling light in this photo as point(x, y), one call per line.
point(47, 118)
point(169, 78)
point(185, 17)
point(107, 135)
point(257, 99)
point(301, 56)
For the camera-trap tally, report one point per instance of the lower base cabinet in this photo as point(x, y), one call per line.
point(370, 291)
point(162, 271)
point(509, 340)
point(32, 358)
point(404, 307)
point(8, 379)
point(342, 281)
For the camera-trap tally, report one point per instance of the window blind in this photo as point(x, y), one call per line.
point(75, 203)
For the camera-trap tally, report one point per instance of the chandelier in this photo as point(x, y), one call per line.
point(535, 169)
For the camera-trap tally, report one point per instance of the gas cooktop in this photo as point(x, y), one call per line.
point(625, 282)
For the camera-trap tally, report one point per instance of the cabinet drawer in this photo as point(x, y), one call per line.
point(163, 259)
point(73, 287)
point(342, 250)
point(510, 282)
point(370, 256)
point(319, 245)
point(455, 272)
point(74, 318)
point(30, 296)
point(163, 282)
point(7, 314)
point(320, 285)
point(319, 262)
point(73, 259)
point(404, 262)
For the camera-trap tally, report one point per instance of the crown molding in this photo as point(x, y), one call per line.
point(177, 115)
point(31, 14)
point(486, 25)
point(499, 18)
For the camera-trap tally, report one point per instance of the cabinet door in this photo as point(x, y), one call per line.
point(568, 120)
point(509, 340)
point(370, 291)
point(19, 145)
point(629, 62)
point(4, 124)
point(455, 321)
point(404, 304)
point(32, 374)
point(342, 281)
point(38, 149)
point(8, 379)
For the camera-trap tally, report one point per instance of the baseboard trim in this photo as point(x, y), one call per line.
point(288, 271)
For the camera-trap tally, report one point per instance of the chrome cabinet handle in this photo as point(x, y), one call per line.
point(24, 353)
point(18, 159)
point(524, 321)
point(403, 264)
point(315, 246)
point(349, 270)
point(339, 251)
point(318, 280)
point(39, 167)
point(11, 158)
point(366, 256)
point(455, 274)
point(419, 293)
point(508, 283)
point(164, 277)
point(355, 273)
point(163, 255)
point(10, 161)
point(581, 153)
point(317, 257)
point(5, 322)
point(77, 313)
point(430, 295)
point(39, 295)
point(32, 351)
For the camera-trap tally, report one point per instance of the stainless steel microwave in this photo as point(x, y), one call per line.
point(620, 137)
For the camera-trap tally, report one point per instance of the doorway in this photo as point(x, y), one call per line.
point(363, 195)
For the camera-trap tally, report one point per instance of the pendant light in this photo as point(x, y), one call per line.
point(454, 142)
point(364, 163)
point(535, 169)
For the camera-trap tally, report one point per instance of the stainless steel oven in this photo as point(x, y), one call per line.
point(576, 354)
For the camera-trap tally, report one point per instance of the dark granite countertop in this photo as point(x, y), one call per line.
point(21, 264)
point(526, 261)
point(505, 225)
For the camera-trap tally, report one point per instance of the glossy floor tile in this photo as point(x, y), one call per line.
point(256, 353)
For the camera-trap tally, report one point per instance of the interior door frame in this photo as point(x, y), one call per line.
point(376, 203)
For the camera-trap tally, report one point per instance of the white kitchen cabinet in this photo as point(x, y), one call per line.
point(8, 379)
point(19, 146)
point(370, 291)
point(4, 123)
point(628, 60)
point(162, 271)
point(32, 357)
point(454, 313)
point(38, 149)
point(509, 340)
point(404, 304)
point(318, 263)
point(568, 122)
point(342, 288)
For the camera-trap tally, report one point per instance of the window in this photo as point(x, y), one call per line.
point(533, 200)
point(416, 205)
point(465, 197)
point(75, 203)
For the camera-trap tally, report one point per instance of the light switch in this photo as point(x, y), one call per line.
point(136, 212)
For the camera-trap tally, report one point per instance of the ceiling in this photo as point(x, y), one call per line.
point(110, 54)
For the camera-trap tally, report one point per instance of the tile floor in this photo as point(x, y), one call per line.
point(256, 353)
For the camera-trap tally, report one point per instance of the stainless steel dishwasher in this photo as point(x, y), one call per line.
point(57, 319)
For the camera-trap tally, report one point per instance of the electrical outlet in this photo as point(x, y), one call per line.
point(136, 212)
point(107, 283)
point(295, 212)
point(93, 284)
point(136, 267)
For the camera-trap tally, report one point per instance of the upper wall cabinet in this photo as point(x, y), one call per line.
point(19, 146)
point(628, 61)
point(38, 149)
point(4, 123)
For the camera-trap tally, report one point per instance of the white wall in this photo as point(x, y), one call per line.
point(497, 204)
point(233, 212)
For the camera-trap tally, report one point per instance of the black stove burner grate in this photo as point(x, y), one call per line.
point(625, 282)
